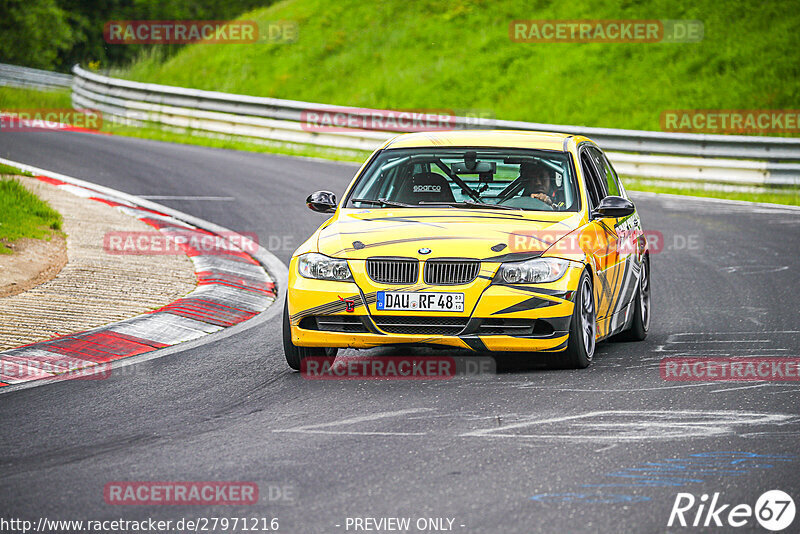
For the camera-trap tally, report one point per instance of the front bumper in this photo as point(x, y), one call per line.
point(525, 318)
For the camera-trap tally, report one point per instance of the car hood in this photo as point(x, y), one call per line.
point(490, 235)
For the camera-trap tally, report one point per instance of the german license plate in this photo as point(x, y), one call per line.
point(420, 301)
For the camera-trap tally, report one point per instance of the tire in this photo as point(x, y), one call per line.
point(582, 330)
point(294, 354)
point(641, 308)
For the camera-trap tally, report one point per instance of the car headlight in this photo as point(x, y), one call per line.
point(321, 267)
point(536, 271)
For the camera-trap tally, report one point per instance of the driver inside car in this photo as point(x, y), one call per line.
point(538, 183)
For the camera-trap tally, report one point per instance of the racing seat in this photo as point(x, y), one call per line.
point(425, 186)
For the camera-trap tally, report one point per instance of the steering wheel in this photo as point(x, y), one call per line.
point(527, 203)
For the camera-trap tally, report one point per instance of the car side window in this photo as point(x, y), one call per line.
point(620, 187)
point(591, 180)
point(607, 173)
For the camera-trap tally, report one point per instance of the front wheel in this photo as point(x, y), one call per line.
point(582, 330)
point(294, 354)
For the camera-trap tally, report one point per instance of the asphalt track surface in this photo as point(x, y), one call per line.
point(604, 449)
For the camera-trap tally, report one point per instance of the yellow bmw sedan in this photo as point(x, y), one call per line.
point(481, 240)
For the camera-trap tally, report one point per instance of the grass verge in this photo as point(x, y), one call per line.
point(5, 169)
point(17, 98)
point(459, 56)
point(23, 214)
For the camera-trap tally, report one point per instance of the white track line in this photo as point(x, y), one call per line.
point(315, 429)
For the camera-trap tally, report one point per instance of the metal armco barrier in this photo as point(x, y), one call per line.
point(736, 159)
point(14, 76)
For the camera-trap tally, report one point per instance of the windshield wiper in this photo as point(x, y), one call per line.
point(490, 206)
point(462, 204)
point(382, 202)
point(470, 204)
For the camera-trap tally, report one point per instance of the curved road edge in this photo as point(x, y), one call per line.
point(274, 268)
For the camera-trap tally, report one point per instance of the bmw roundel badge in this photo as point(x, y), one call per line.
point(424, 251)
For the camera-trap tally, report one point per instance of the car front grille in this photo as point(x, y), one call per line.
point(433, 326)
point(393, 270)
point(451, 272)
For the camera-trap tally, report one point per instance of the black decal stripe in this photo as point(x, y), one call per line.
point(539, 290)
point(557, 348)
point(406, 240)
point(613, 293)
point(526, 305)
point(418, 218)
point(329, 308)
point(619, 290)
point(475, 343)
point(614, 318)
point(605, 293)
point(336, 306)
point(381, 229)
point(515, 256)
point(622, 289)
point(630, 286)
point(386, 226)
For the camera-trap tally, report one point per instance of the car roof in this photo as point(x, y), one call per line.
point(484, 138)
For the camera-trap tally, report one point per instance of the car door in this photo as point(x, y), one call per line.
point(598, 236)
point(619, 261)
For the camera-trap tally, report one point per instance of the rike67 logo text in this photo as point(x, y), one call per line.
point(774, 510)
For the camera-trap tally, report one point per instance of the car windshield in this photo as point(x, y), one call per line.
point(489, 178)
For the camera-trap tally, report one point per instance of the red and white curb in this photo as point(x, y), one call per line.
point(233, 287)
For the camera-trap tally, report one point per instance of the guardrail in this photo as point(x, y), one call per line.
point(737, 159)
point(649, 154)
point(15, 76)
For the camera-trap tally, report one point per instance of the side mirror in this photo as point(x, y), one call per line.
point(613, 207)
point(321, 201)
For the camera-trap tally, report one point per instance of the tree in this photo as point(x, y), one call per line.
point(33, 33)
